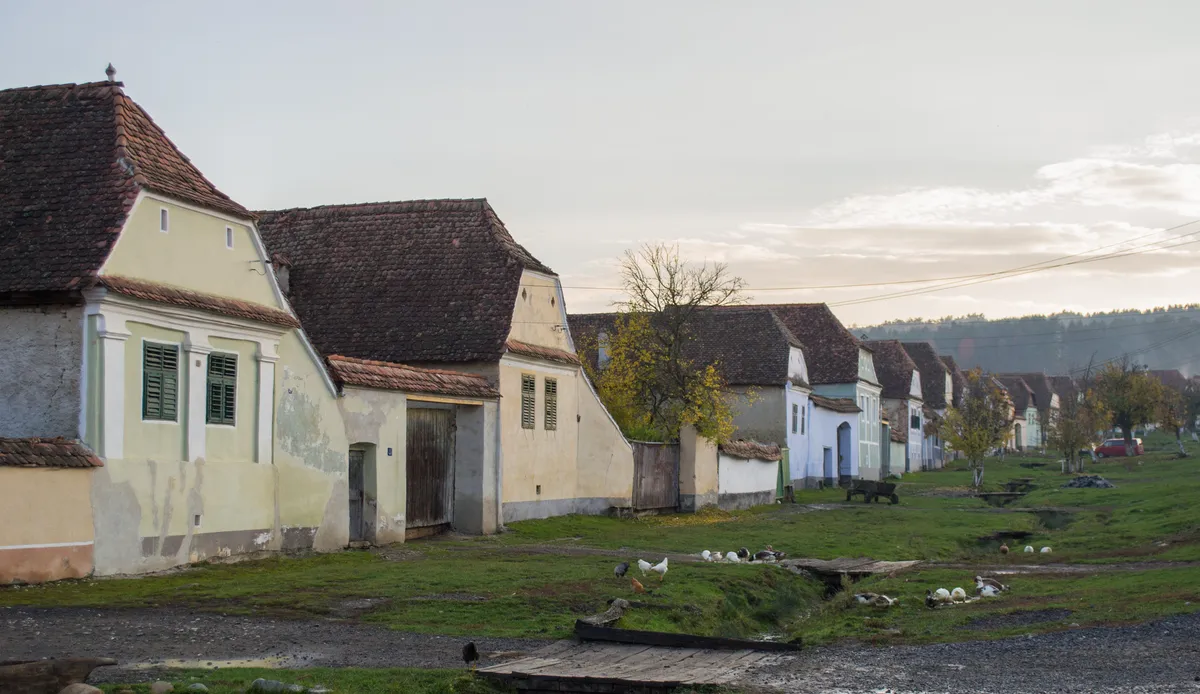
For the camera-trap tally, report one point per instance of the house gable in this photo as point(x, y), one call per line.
point(914, 390)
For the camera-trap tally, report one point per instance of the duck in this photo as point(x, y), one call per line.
point(1028, 549)
point(743, 553)
point(660, 568)
point(706, 555)
point(778, 555)
point(883, 601)
point(865, 598)
point(958, 595)
point(1046, 550)
point(731, 557)
point(764, 555)
point(644, 566)
point(1004, 548)
point(937, 598)
point(982, 582)
point(989, 591)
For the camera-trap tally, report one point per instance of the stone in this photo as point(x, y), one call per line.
point(263, 685)
point(79, 688)
point(319, 689)
point(161, 687)
point(196, 687)
point(1089, 482)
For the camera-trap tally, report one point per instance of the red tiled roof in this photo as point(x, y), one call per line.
point(540, 352)
point(894, 368)
point(410, 379)
point(72, 160)
point(752, 449)
point(1171, 378)
point(1019, 391)
point(46, 452)
point(425, 281)
point(843, 405)
point(1039, 385)
point(933, 372)
point(178, 296)
point(1066, 388)
point(830, 350)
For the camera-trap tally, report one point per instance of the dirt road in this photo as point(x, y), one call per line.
point(1157, 657)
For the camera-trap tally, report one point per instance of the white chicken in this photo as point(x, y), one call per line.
point(660, 568)
point(731, 557)
point(958, 595)
point(706, 555)
point(644, 566)
point(1045, 550)
point(1028, 549)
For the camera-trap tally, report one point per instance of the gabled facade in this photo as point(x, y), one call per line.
point(1026, 430)
point(937, 388)
point(841, 368)
point(1045, 402)
point(902, 400)
point(442, 284)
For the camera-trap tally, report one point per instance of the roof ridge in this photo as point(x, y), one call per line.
point(62, 86)
point(375, 203)
point(393, 364)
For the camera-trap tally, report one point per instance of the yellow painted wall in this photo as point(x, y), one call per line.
point(535, 456)
point(225, 443)
point(44, 506)
point(538, 310)
point(379, 419)
point(605, 459)
point(151, 439)
point(191, 254)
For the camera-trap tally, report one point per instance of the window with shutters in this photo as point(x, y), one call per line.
point(222, 389)
point(795, 418)
point(551, 404)
point(528, 400)
point(160, 381)
point(803, 417)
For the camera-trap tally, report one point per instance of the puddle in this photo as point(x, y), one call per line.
point(209, 664)
point(1054, 519)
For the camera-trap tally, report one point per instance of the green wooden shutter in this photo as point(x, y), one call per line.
point(160, 381)
point(528, 400)
point(222, 389)
point(551, 404)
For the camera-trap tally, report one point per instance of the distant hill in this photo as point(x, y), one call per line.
point(1161, 338)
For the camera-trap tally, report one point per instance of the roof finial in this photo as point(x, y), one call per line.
point(111, 72)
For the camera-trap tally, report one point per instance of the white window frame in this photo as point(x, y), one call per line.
point(229, 237)
point(164, 220)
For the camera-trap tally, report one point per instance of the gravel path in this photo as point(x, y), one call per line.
point(146, 639)
point(1157, 657)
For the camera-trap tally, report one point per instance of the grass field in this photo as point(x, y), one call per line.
point(535, 580)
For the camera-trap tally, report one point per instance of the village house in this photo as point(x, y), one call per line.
point(901, 401)
point(937, 388)
point(1066, 388)
point(957, 379)
point(1045, 402)
point(159, 402)
point(442, 284)
point(1026, 430)
point(847, 423)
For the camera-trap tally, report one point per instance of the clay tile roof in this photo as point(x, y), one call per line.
point(410, 379)
point(957, 378)
point(1018, 391)
point(419, 281)
point(830, 350)
point(899, 435)
point(843, 405)
point(177, 296)
point(1171, 378)
point(894, 368)
point(72, 160)
point(1039, 385)
point(46, 452)
point(752, 449)
point(540, 352)
point(933, 372)
point(1066, 388)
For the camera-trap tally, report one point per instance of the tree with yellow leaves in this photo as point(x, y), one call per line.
point(981, 422)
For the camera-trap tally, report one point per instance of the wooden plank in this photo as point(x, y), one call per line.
point(608, 660)
point(716, 665)
point(588, 632)
point(741, 666)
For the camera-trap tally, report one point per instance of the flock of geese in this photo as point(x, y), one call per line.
point(985, 587)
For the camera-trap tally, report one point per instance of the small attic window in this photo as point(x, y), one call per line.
point(164, 220)
point(522, 293)
point(551, 301)
point(229, 237)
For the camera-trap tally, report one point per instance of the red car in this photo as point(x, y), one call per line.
point(1115, 448)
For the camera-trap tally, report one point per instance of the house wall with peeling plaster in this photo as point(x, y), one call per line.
point(378, 419)
point(40, 371)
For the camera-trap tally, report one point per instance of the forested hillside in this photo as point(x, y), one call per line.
point(1162, 338)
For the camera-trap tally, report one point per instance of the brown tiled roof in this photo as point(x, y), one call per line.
point(177, 296)
point(540, 352)
point(933, 372)
point(957, 378)
point(830, 350)
point(1039, 385)
point(1018, 391)
point(366, 373)
point(899, 435)
point(894, 368)
point(1171, 378)
point(72, 160)
point(752, 449)
point(422, 281)
point(46, 452)
point(1066, 388)
point(843, 405)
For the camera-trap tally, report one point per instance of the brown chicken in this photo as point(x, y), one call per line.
point(1004, 549)
point(637, 586)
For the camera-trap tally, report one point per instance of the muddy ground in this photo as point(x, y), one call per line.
point(1157, 657)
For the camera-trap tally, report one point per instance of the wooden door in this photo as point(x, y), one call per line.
point(430, 466)
point(655, 476)
point(357, 496)
point(843, 452)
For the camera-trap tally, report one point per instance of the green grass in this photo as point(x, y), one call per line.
point(536, 580)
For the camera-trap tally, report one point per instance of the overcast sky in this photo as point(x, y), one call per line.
point(803, 143)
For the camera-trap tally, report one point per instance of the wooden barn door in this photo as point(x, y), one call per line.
point(430, 466)
point(357, 496)
point(655, 476)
